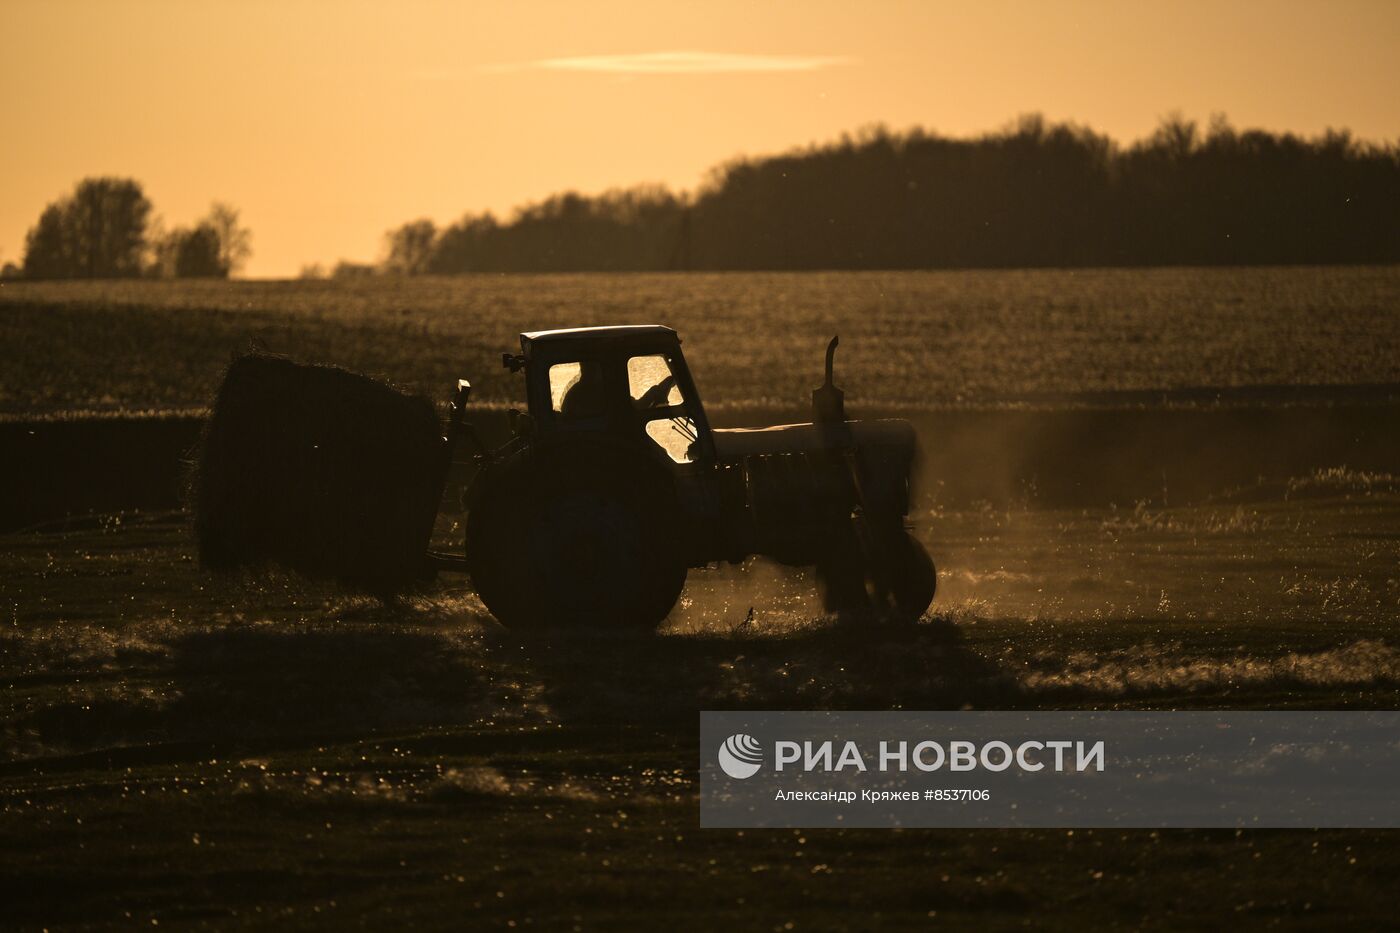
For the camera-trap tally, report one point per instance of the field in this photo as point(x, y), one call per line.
point(945, 339)
point(188, 750)
point(193, 750)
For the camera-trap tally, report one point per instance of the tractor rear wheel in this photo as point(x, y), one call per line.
point(578, 540)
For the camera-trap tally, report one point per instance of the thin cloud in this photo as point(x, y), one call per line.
point(676, 63)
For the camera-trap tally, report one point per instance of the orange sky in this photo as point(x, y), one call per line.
point(327, 123)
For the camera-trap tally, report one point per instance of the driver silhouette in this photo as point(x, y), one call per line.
point(586, 398)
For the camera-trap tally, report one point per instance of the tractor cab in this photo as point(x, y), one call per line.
point(629, 381)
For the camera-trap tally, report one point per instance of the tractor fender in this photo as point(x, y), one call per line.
point(499, 492)
point(511, 473)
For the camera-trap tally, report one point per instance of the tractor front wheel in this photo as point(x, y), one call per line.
point(898, 581)
point(913, 579)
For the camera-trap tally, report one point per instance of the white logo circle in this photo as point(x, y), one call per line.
point(741, 756)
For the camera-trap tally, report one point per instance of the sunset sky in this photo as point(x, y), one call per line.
point(328, 123)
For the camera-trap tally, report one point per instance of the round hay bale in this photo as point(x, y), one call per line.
point(321, 471)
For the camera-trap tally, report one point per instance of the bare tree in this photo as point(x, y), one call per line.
point(235, 241)
point(410, 247)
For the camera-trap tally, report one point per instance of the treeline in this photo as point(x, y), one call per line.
point(1035, 194)
point(105, 230)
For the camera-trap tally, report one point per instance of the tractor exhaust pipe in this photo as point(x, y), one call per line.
point(829, 402)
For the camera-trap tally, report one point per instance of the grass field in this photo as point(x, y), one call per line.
point(908, 338)
point(186, 749)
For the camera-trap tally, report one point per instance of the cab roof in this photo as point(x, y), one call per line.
point(592, 333)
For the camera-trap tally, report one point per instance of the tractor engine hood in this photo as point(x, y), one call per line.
point(733, 444)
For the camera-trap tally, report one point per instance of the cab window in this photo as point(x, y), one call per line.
point(656, 396)
point(675, 435)
point(651, 382)
point(578, 390)
point(562, 377)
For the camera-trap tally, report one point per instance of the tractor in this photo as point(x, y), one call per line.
point(614, 484)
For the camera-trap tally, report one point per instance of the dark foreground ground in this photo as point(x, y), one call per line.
point(184, 750)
